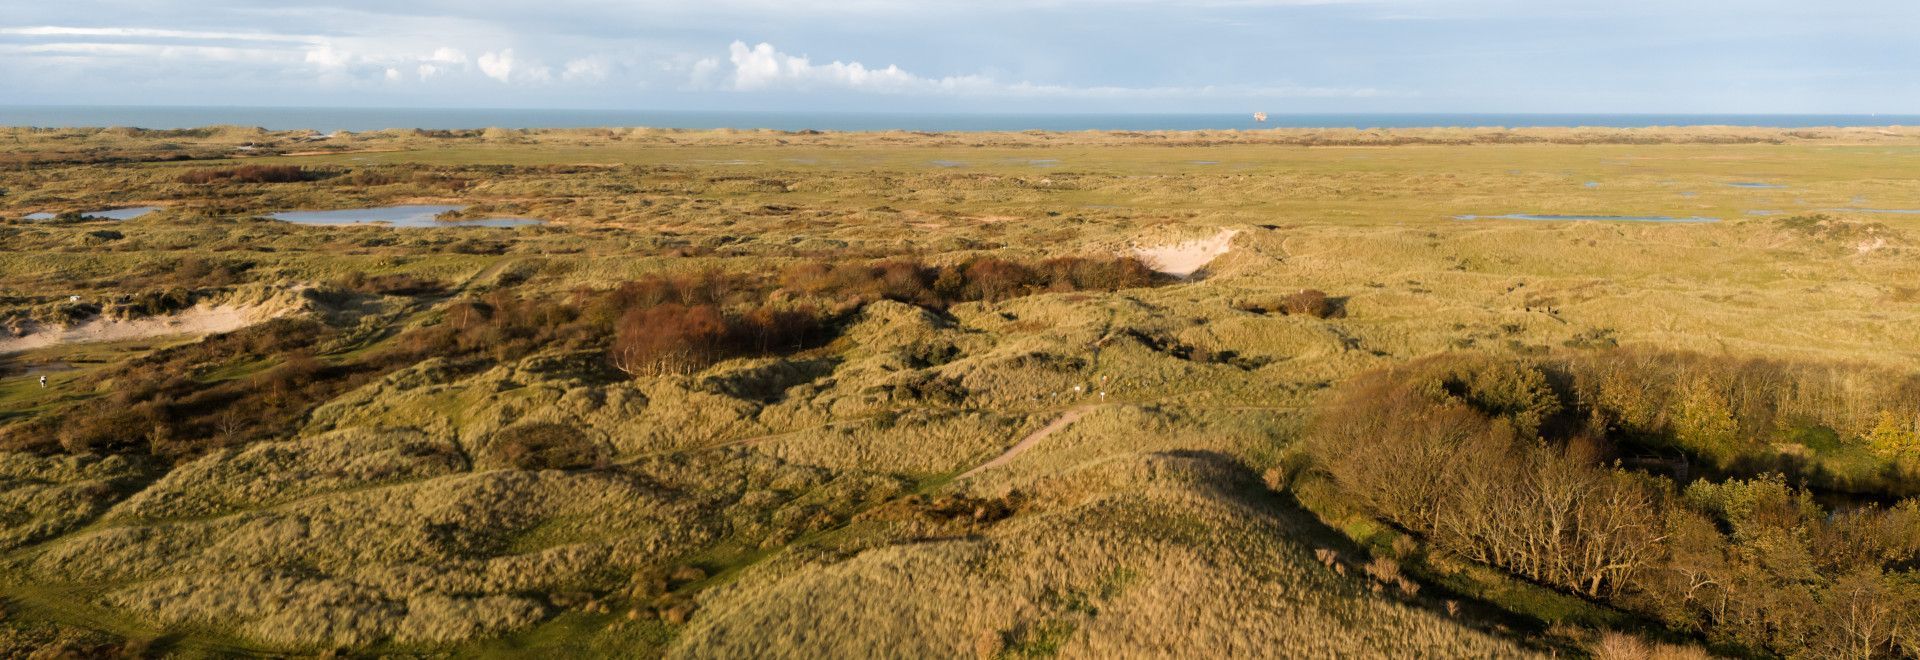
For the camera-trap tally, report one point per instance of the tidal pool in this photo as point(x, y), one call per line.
point(411, 216)
point(1590, 218)
point(127, 213)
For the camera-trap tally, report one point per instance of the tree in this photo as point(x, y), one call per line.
point(1890, 437)
point(1706, 424)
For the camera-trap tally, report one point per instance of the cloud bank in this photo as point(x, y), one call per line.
point(762, 67)
point(976, 55)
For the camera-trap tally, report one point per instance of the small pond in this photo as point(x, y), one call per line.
point(1757, 185)
point(1590, 218)
point(412, 216)
point(127, 213)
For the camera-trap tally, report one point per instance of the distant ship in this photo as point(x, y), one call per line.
point(1260, 116)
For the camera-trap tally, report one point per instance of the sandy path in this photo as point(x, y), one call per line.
point(1028, 442)
point(201, 320)
point(1185, 258)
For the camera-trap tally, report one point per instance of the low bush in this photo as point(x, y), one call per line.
point(249, 174)
point(1307, 302)
point(547, 446)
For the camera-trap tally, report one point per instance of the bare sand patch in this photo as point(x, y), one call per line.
point(196, 321)
point(1185, 258)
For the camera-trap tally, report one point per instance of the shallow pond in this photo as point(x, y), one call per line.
point(1757, 185)
point(412, 216)
point(127, 213)
point(1590, 218)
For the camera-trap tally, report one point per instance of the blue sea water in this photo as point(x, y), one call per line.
point(1547, 217)
point(368, 119)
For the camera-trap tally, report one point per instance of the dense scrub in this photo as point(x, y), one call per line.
point(1841, 427)
point(1307, 302)
point(250, 174)
point(230, 389)
point(984, 278)
point(1513, 464)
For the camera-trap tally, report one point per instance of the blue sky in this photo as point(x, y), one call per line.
point(1757, 56)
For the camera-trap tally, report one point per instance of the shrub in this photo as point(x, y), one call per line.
point(1311, 302)
point(1308, 302)
point(249, 174)
point(675, 339)
point(547, 446)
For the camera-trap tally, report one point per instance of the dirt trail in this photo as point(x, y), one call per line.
point(1028, 442)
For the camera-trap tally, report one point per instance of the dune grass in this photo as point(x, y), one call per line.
point(492, 495)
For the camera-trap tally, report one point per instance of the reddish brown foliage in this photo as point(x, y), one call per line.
point(249, 174)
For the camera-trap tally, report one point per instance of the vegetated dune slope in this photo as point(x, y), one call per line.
point(390, 518)
point(489, 442)
point(1164, 553)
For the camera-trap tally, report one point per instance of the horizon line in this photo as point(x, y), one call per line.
point(1115, 113)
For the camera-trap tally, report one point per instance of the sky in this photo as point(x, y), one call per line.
point(1279, 56)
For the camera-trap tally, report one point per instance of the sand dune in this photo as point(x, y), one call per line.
point(199, 320)
point(1185, 258)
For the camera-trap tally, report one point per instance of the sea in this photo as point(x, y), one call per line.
point(371, 119)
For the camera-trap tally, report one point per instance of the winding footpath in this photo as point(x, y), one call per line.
point(1033, 438)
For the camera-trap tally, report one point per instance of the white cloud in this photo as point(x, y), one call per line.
point(763, 67)
point(498, 66)
point(703, 71)
point(151, 51)
point(428, 71)
point(154, 33)
point(393, 75)
point(446, 55)
point(327, 57)
point(586, 70)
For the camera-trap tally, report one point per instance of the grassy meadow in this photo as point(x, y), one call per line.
point(730, 398)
